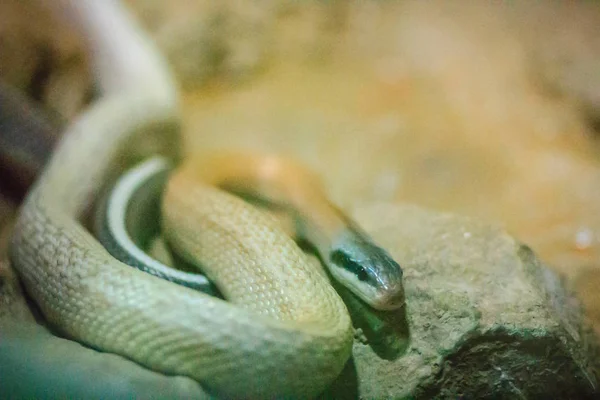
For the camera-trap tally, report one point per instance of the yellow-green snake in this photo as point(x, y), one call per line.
point(284, 331)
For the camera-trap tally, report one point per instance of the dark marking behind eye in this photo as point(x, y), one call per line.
point(343, 260)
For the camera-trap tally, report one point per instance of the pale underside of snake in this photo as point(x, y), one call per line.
point(283, 332)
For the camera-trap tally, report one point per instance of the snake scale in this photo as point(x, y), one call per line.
point(283, 331)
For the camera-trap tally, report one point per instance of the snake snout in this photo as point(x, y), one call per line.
point(390, 295)
point(389, 298)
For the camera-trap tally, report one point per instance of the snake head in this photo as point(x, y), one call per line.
point(367, 270)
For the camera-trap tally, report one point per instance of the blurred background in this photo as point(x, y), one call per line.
point(490, 110)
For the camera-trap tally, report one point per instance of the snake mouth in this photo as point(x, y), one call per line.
point(389, 300)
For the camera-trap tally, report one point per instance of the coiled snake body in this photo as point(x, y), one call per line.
point(287, 332)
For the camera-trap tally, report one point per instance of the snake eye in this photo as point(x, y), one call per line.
point(343, 260)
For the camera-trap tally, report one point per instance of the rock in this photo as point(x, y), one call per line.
point(486, 319)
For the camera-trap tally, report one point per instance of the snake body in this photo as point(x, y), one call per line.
point(96, 299)
point(284, 332)
point(278, 182)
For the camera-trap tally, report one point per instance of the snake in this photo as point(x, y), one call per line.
point(282, 330)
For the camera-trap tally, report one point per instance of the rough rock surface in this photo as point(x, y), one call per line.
point(486, 320)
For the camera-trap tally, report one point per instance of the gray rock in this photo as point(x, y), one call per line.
point(486, 319)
